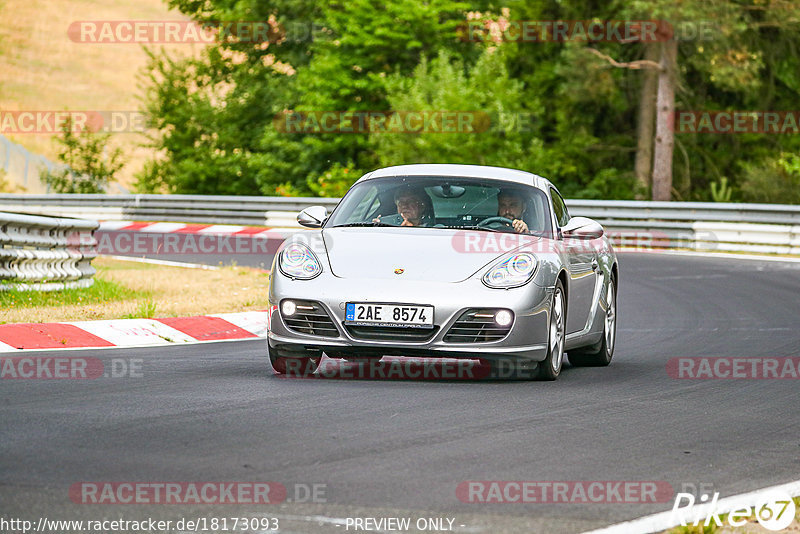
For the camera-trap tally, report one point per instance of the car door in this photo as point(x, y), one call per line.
point(582, 265)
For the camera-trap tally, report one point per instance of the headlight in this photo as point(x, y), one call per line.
point(297, 261)
point(512, 271)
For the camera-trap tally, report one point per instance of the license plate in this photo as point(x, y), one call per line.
point(399, 315)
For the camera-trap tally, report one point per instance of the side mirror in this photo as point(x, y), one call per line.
point(582, 228)
point(313, 217)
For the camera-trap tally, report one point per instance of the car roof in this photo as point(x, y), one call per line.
point(462, 171)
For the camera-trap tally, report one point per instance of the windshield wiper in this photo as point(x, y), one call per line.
point(361, 224)
point(480, 228)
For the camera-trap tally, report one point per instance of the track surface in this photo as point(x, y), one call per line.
point(400, 448)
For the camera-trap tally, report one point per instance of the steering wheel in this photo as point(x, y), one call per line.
point(496, 220)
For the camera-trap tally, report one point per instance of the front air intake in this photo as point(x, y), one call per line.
point(477, 326)
point(310, 318)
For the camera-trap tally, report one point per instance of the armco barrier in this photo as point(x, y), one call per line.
point(763, 228)
point(248, 211)
point(703, 226)
point(45, 253)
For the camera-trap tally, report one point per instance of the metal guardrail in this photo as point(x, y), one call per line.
point(45, 253)
point(255, 211)
point(703, 226)
point(763, 228)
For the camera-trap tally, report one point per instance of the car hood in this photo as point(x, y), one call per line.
point(429, 254)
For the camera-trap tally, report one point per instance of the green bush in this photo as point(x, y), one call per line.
point(773, 180)
point(90, 165)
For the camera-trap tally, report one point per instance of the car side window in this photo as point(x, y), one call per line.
point(559, 208)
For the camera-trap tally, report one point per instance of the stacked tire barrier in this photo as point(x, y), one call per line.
point(702, 226)
point(45, 253)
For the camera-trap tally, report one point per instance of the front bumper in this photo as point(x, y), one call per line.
point(527, 339)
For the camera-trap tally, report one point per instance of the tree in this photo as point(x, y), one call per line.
point(726, 62)
point(598, 130)
point(89, 164)
point(500, 130)
point(215, 114)
point(646, 122)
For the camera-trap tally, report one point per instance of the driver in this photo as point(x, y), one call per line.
point(511, 205)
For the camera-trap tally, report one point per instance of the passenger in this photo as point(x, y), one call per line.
point(414, 208)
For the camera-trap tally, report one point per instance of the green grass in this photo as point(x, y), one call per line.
point(146, 310)
point(100, 292)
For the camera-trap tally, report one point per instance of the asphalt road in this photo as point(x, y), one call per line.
point(189, 248)
point(399, 448)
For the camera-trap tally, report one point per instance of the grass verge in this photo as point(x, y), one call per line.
point(101, 291)
point(126, 290)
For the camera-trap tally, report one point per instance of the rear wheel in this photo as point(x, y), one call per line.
point(600, 354)
point(550, 367)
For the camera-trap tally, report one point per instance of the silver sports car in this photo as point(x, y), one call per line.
point(445, 261)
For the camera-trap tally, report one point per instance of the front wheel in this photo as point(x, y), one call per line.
point(600, 355)
point(550, 367)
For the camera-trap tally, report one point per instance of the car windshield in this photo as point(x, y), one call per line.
point(443, 202)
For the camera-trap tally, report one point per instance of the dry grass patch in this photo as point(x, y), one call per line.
point(126, 289)
point(43, 69)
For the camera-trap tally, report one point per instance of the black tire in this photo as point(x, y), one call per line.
point(293, 365)
point(550, 367)
point(600, 354)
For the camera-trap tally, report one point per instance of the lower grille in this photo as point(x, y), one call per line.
point(388, 333)
point(311, 318)
point(477, 326)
